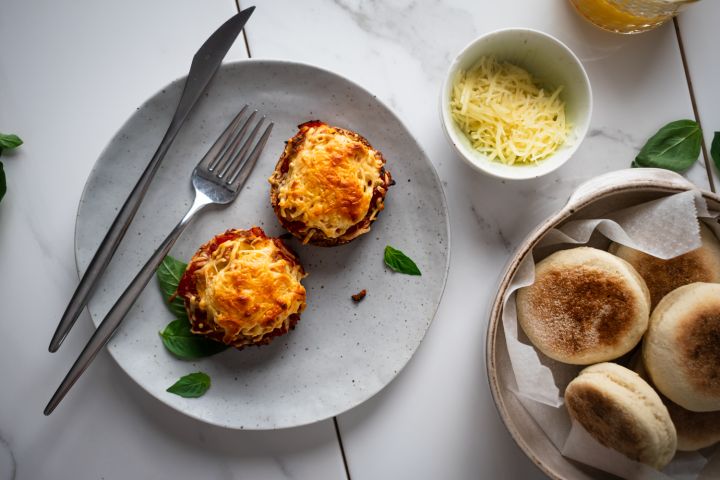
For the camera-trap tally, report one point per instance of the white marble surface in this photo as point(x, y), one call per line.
point(437, 420)
point(699, 32)
point(71, 73)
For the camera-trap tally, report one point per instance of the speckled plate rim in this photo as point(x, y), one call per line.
point(597, 188)
point(371, 98)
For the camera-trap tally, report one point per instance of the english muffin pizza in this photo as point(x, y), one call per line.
point(243, 288)
point(329, 185)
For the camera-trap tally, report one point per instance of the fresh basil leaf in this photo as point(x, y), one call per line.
point(176, 336)
point(715, 150)
point(3, 185)
point(182, 343)
point(398, 261)
point(9, 141)
point(191, 386)
point(169, 274)
point(676, 146)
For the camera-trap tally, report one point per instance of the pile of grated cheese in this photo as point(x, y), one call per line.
point(506, 115)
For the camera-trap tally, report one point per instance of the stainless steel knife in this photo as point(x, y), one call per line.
point(204, 65)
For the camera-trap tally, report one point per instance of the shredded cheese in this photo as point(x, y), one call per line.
point(249, 289)
point(330, 182)
point(506, 115)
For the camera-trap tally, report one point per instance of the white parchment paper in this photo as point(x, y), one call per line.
point(664, 228)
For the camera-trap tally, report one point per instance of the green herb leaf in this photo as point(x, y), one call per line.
point(398, 261)
point(169, 274)
point(3, 185)
point(9, 141)
point(176, 336)
point(715, 150)
point(191, 386)
point(676, 146)
point(182, 343)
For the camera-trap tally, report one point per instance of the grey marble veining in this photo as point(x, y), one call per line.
point(485, 226)
point(638, 85)
point(8, 465)
point(77, 70)
point(411, 25)
point(616, 135)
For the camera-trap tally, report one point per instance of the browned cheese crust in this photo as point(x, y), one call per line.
point(243, 288)
point(332, 181)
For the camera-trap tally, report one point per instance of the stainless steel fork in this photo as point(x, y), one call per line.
point(217, 179)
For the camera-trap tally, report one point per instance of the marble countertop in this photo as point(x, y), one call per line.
point(71, 73)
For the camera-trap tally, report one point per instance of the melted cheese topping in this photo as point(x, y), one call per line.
point(505, 115)
point(248, 289)
point(330, 181)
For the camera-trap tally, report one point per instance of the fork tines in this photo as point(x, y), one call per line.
point(227, 159)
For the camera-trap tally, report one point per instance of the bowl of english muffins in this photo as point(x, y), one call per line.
point(631, 341)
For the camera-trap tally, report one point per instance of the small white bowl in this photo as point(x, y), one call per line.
point(551, 63)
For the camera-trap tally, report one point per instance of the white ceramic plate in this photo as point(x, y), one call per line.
point(341, 353)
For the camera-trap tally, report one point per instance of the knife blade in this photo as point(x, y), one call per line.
point(205, 64)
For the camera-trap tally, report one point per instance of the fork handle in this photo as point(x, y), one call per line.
point(122, 306)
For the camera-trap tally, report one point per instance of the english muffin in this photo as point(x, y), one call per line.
point(621, 411)
point(243, 288)
point(585, 306)
point(695, 430)
point(664, 276)
point(681, 350)
point(329, 185)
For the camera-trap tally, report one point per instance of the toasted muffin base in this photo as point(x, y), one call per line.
point(622, 412)
point(664, 276)
point(695, 430)
point(312, 235)
point(681, 350)
point(585, 306)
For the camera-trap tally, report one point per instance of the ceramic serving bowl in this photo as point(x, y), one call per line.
point(553, 64)
point(603, 194)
